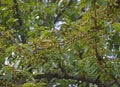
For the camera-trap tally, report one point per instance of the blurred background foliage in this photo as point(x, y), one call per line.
point(58, 43)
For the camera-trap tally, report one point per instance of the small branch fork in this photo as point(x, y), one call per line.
point(61, 11)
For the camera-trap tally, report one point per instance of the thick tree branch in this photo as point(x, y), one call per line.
point(99, 57)
point(77, 78)
point(95, 45)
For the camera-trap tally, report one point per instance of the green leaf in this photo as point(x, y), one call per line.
point(45, 34)
point(88, 3)
point(101, 2)
point(28, 85)
point(27, 47)
point(116, 26)
point(11, 20)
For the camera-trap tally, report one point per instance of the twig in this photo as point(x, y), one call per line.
point(84, 10)
point(18, 13)
point(115, 79)
point(61, 11)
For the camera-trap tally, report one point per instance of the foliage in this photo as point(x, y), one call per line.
point(84, 50)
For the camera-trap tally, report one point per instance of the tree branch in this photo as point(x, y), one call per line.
point(116, 81)
point(61, 11)
point(18, 13)
point(83, 11)
point(20, 21)
point(53, 1)
point(77, 78)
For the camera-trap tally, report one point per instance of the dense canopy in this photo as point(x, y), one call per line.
point(60, 43)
